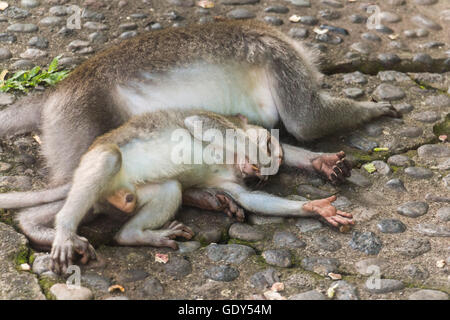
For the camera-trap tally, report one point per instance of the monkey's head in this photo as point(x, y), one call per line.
point(266, 145)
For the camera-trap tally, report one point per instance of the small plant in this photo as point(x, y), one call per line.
point(23, 80)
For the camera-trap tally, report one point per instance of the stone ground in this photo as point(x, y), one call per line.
point(402, 209)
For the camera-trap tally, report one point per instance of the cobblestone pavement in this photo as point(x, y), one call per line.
point(402, 209)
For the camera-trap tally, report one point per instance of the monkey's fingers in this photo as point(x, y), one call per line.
point(344, 214)
point(341, 155)
point(168, 243)
point(240, 215)
point(331, 221)
point(343, 165)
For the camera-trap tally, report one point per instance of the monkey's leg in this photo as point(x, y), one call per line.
point(213, 200)
point(96, 169)
point(333, 166)
point(24, 116)
point(36, 223)
point(160, 204)
point(266, 204)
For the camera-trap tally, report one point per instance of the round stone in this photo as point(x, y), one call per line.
point(370, 37)
point(22, 27)
point(373, 130)
point(427, 116)
point(92, 25)
point(311, 192)
point(301, 3)
point(52, 21)
point(328, 14)
point(308, 20)
point(245, 232)
point(240, 14)
point(384, 286)
point(443, 214)
point(298, 33)
point(423, 58)
point(38, 42)
point(62, 292)
point(320, 265)
point(433, 230)
point(356, 18)
point(326, 243)
point(229, 253)
point(277, 9)
point(152, 288)
point(188, 3)
point(440, 101)
point(308, 224)
point(7, 38)
point(396, 184)
point(283, 239)
point(188, 246)
point(264, 279)
point(278, 257)
point(419, 173)
point(433, 151)
point(413, 209)
point(58, 11)
point(411, 132)
point(391, 226)
point(393, 76)
point(388, 59)
point(97, 38)
point(368, 267)
point(403, 108)
point(388, 92)
point(275, 21)
point(413, 247)
point(133, 275)
point(353, 93)
point(42, 263)
point(5, 54)
point(32, 53)
point(128, 26)
point(178, 267)
point(415, 272)
point(382, 167)
point(355, 78)
point(366, 242)
point(308, 295)
point(222, 273)
point(22, 64)
point(29, 3)
point(128, 34)
point(96, 281)
point(345, 291)
point(425, 22)
point(427, 294)
point(389, 17)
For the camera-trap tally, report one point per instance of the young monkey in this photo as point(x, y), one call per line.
point(133, 167)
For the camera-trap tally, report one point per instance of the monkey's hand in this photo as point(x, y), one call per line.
point(326, 210)
point(333, 166)
point(63, 250)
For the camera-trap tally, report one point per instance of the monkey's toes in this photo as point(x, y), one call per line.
point(334, 167)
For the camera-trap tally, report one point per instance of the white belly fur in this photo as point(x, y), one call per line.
point(227, 90)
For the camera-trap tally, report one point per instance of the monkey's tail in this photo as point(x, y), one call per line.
point(14, 200)
point(23, 116)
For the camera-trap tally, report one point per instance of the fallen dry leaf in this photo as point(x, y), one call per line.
point(320, 31)
point(345, 228)
point(206, 4)
point(116, 287)
point(277, 286)
point(442, 137)
point(38, 140)
point(272, 295)
point(25, 267)
point(335, 276)
point(295, 18)
point(331, 290)
point(3, 5)
point(3, 75)
point(161, 258)
point(440, 263)
point(393, 36)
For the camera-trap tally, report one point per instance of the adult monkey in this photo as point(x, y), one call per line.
point(227, 67)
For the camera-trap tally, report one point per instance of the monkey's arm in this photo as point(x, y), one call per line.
point(96, 169)
point(263, 203)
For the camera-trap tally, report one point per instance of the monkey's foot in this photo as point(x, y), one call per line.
point(327, 211)
point(165, 236)
point(62, 253)
point(333, 166)
point(213, 200)
point(382, 109)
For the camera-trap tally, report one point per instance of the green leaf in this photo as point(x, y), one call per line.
point(369, 167)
